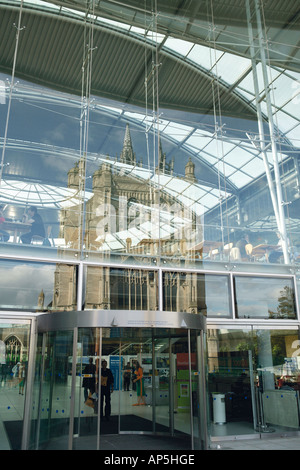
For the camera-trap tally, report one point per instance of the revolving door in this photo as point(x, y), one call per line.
point(77, 408)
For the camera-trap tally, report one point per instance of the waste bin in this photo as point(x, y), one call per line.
point(219, 408)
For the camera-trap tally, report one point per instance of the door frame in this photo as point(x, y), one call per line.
point(59, 321)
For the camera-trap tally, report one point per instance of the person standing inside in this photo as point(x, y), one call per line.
point(140, 391)
point(22, 378)
point(127, 375)
point(89, 379)
point(107, 387)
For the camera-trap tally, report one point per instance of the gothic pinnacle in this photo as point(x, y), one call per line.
point(127, 154)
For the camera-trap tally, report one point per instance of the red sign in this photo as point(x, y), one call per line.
point(183, 361)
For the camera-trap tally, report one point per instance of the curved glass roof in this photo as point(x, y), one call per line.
point(229, 150)
point(15, 191)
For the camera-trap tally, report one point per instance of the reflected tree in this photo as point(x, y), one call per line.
point(286, 304)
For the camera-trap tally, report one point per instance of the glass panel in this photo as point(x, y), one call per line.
point(143, 385)
point(183, 394)
point(86, 425)
point(110, 378)
point(137, 405)
point(277, 369)
point(55, 398)
point(14, 353)
point(37, 383)
point(253, 381)
point(232, 407)
point(121, 289)
point(163, 383)
point(40, 287)
point(196, 293)
point(97, 170)
point(199, 393)
point(160, 401)
point(265, 298)
point(41, 204)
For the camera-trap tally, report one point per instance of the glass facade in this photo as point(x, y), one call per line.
point(15, 343)
point(150, 166)
point(76, 412)
point(37, 286)
point(121, 289)
point(265, 298)
point(113, 180)
point(253, 380)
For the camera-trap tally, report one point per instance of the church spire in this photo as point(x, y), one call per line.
point(164, 166)
point(127, 154)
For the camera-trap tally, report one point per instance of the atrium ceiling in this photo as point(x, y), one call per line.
point(200, 50)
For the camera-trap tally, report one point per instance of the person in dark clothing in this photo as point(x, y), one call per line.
point(127, 376)
point(107, 387)
point(89, 379)
point(37, 225)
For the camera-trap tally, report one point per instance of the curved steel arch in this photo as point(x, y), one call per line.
point(50, 53)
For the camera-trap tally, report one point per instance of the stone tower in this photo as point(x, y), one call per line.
point(119, 198)
point(190, 171)
point(127, 154)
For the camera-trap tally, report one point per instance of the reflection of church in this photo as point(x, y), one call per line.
point(13, 345)
point(122, 218)
point(123, 200)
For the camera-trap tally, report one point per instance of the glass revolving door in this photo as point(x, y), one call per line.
point(120, 381)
